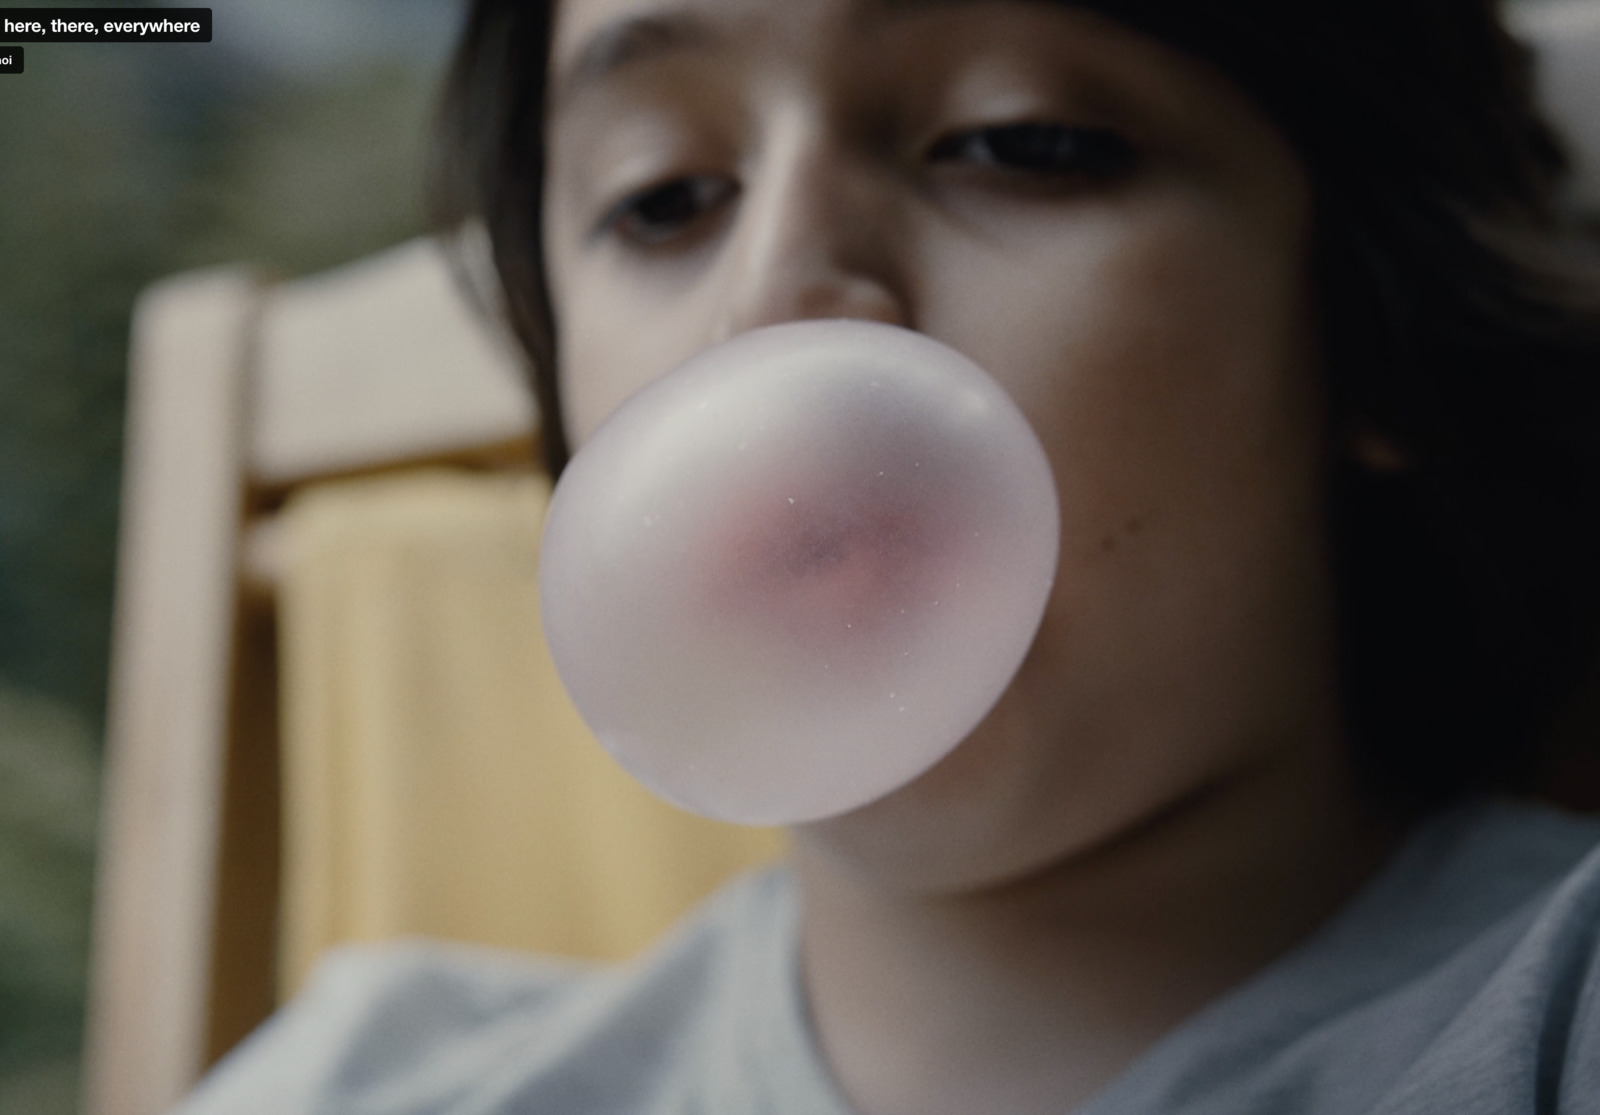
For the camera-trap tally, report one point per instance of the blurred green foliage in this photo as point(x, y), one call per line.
point(118, 165)
point(48, 787)
point(117, 168)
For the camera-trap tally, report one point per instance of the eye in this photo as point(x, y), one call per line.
point(659, 213)
point(1055, 151)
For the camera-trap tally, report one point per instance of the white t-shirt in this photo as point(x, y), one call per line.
point(1463, 980)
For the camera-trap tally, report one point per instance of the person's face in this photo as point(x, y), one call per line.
point(1108, 227)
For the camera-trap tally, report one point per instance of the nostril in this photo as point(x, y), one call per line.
point(858, 298)
point(855, 298)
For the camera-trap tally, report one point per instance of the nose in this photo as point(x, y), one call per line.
point(817, 237)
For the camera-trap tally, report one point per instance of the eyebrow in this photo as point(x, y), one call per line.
point(634, 39)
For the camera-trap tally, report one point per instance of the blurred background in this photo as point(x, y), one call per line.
point(294, 140)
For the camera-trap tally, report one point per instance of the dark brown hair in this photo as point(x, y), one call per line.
point(1461, 320)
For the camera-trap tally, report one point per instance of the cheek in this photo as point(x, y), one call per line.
point(610, 344)
point(618, 330)
point(1165, 368)
point(1166, 362)
point(1160, 351)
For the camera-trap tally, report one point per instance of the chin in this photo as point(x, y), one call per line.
point(982, 817)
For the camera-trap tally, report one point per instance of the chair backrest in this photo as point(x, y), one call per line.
point(239, 391)
point(281, 437)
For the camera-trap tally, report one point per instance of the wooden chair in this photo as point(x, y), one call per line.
point(239, 391)
point(246, 396)
point(243, 393)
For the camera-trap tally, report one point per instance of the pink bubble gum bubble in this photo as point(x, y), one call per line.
point(792, 575)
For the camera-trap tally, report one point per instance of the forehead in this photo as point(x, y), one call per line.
point(594, 41)
point(639, 21)
point(600, 44)
point(595, 38)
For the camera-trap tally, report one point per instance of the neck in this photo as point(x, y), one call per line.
point(1033, 994)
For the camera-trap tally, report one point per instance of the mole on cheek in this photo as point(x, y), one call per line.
point(1131, 529)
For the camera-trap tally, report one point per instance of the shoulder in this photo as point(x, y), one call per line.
point(388, 1016)
point(1515, 1002)
point(1480, 944)
point(416, 1026)
point(1462, 980)
point(1528, 1039)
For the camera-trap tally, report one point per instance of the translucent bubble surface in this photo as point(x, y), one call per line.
point(791, 575)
